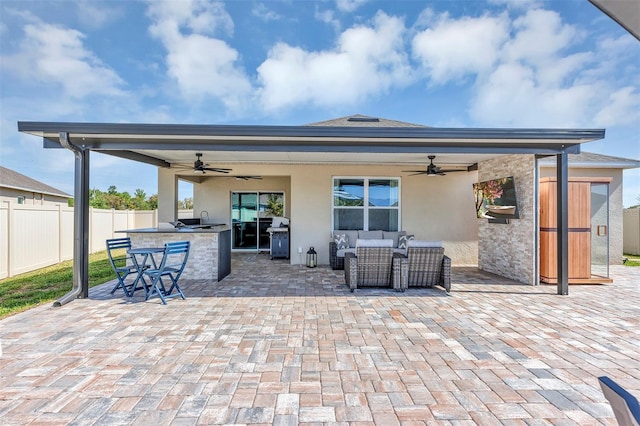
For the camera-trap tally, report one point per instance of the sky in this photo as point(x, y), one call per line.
point(455, 63)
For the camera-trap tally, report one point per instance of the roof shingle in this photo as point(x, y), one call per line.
point(12, 179)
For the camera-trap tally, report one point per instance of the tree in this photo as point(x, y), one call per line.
point(186, 204)
point(275, 207)
point(112, 199)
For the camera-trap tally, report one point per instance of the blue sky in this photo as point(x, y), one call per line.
point(458, 63)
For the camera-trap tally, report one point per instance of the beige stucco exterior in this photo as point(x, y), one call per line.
point(31, 197)
point(433, 208)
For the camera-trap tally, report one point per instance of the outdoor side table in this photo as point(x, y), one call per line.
point(141, 258)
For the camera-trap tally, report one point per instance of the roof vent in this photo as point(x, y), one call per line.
point(364, 119)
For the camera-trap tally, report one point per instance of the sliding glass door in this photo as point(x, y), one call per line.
point(244, 219)
point(251, 216)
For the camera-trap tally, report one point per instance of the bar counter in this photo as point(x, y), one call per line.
point(209, 255)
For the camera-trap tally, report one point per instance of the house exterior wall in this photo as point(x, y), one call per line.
point(631, 225)
point(167, 195)
point(616, 235)
point(510, 249)
point(432, 208)
point(31, 198)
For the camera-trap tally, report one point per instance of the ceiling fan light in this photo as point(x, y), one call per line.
point(198, 172)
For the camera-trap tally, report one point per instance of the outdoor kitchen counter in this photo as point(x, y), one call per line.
point(209, 255)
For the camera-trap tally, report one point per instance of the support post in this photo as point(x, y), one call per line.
point(562, 181)
point(80, 287)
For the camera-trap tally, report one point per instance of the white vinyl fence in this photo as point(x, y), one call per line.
point(33, 236)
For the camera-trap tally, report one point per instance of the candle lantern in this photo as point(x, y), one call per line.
point(312, 258)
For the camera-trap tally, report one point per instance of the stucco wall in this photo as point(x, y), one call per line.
point(631, 219)
point(435, 208)
point(31, 198)
point(509, 249)
point(616, 235)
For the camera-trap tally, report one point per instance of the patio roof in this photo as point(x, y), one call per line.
point(164, 144)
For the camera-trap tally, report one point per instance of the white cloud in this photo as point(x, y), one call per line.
point(93, 15)
point(512, 96)
point(452, 49)
point(261, 11)
point(517, 4)
point(198, 16)
point(367, 61)
point(201, 65)
point(621, 107)
point(56, 56)
point(328, 17)
point(349, 5)
point(540, 35)
point(539, 79)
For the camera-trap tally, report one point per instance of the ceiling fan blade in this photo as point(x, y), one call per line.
point(452, 170)
point(249, 177)
point(216, 169)
point(415, 171)
point(418, 173)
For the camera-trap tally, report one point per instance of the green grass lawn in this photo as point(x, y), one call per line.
point(45, 285)
point(632, 260)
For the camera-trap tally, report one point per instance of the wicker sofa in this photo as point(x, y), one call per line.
point(343, 242)
point(424, 265)
point(373, 265)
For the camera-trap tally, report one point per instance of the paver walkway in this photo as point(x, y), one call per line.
point(280, 344)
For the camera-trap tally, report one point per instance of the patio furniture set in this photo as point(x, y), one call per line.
point(141, 263)
point(389, 259)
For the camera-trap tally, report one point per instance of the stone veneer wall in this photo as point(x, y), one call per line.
point(203, 253)
point(509, 250)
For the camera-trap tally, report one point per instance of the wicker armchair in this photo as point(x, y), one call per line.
point(373, 265)
point(425, 266)
point(335, 261)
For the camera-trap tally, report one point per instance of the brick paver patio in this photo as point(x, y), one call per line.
point(281, 344)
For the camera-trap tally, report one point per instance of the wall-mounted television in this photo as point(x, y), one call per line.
point(496, 199)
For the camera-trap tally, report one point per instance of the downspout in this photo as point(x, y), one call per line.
point(80, 289)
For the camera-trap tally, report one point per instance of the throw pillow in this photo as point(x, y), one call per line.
point(403, 241)
point(341, 241)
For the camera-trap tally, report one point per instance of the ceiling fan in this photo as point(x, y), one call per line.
point(433, 170)
point(199, 167)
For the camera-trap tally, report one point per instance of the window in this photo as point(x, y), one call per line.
point(366, 203)
point(20, 199)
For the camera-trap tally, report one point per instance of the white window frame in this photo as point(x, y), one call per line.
point(366, 207)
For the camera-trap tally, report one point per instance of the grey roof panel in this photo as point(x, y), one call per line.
point(358, 120)
point(593, 160)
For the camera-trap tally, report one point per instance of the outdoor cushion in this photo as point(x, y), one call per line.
point(424, 243)
point(402, 241)
point(341, 253)
point(341, 241)
point(352, 236)
point(374, 243)
point(370, 235)
point(395, 236)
